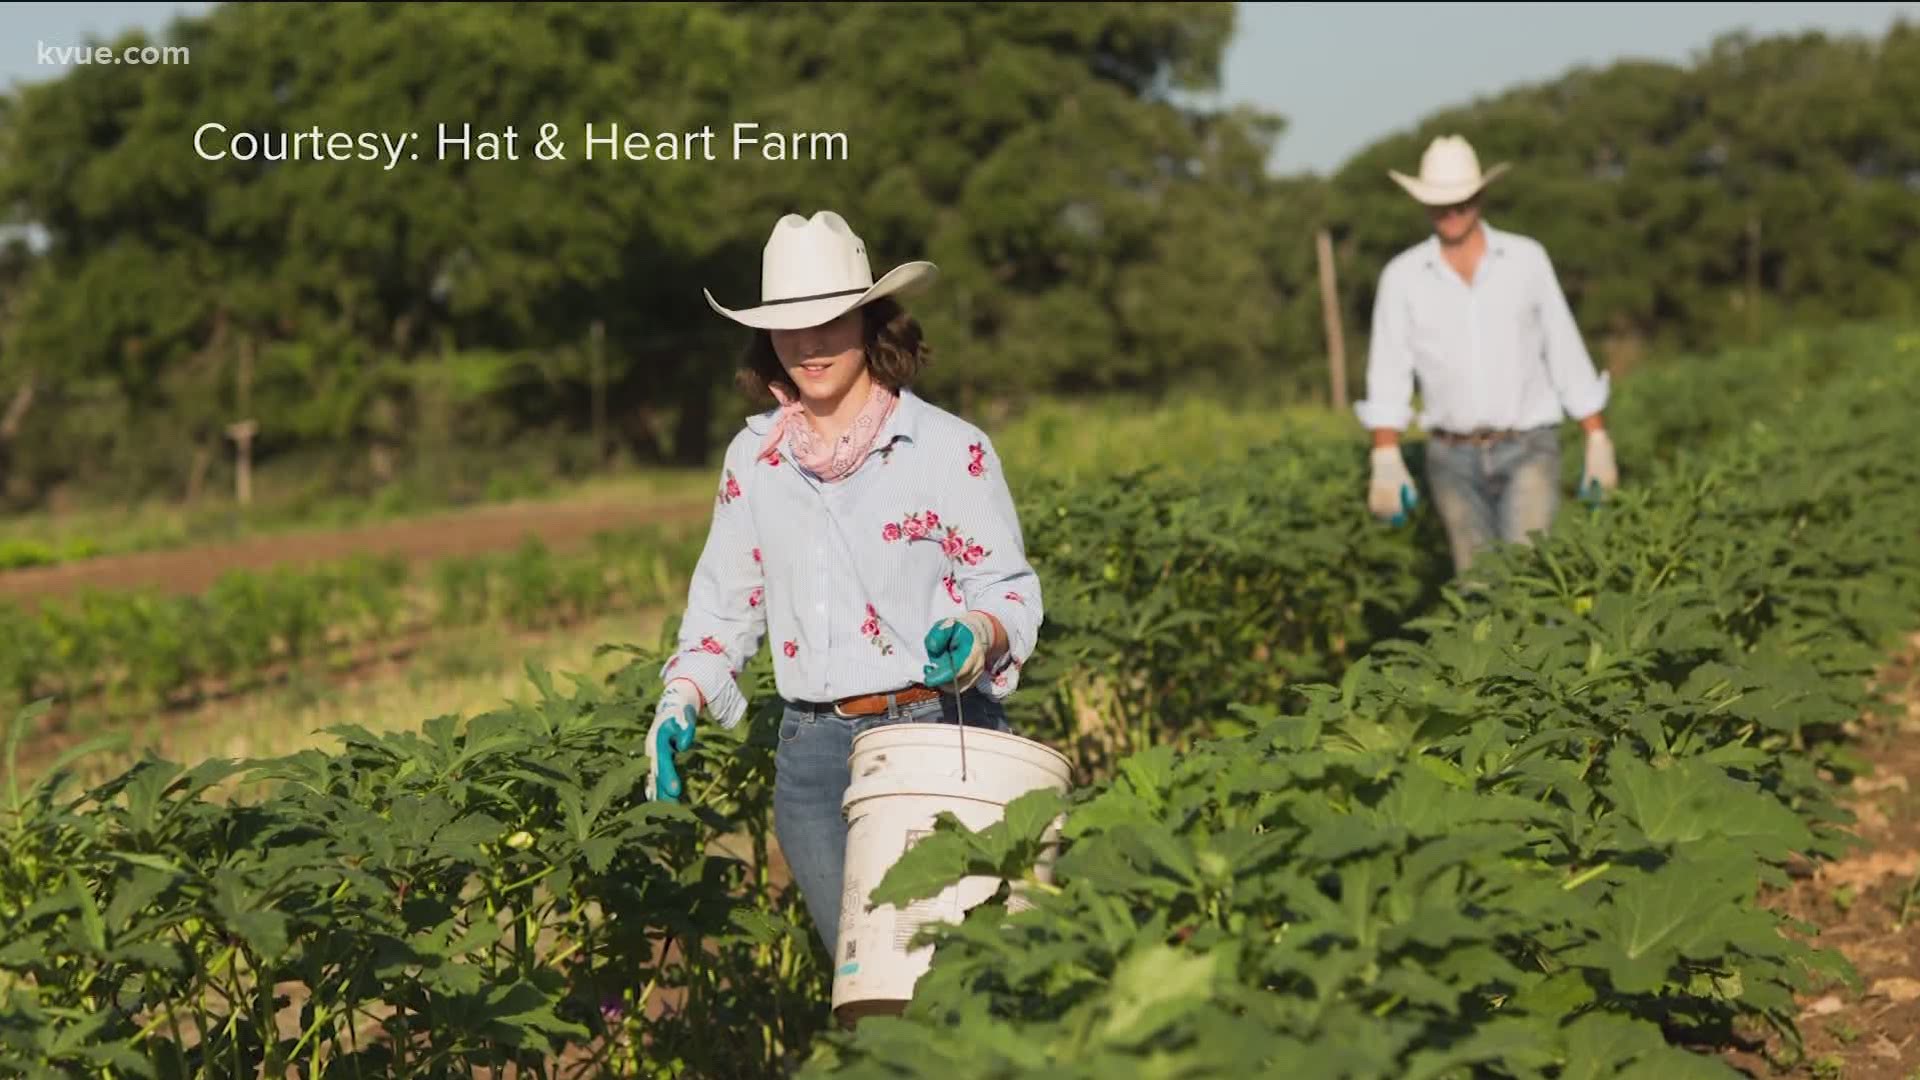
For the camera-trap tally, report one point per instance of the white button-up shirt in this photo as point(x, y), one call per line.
point(844, 580)
point(1502, 353)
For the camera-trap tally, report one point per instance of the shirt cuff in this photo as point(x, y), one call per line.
point(1378, 414)
point(1591, 398)
point(709, 671)
point(1002, 677)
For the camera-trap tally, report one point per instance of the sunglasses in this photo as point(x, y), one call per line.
point(1456, 208)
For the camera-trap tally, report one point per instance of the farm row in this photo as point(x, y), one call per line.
point(1131, 564)
point(117, 651)
point(1523, 829)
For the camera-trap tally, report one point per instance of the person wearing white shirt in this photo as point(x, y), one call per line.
point(1475, 318)
point(865, 534)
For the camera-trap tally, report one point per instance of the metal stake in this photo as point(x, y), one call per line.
point(960, 712)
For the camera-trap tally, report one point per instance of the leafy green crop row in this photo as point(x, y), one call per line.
point(141, 649)
point(1528, 841)
point(1172, 593)
point(18, 554)
point(415, 905)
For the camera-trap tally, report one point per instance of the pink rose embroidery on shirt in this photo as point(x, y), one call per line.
point(773, 457)
point(756, 554)
point(713, 646)
point(871, 628)
point(924, 525)
point(1015, 597)
point(790, 649)
point(978, 465)
point(730, 490)
point(753, 598)
point(953, 589)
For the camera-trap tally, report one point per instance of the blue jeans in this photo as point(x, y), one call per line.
point(1503, 491)
point(811, 774)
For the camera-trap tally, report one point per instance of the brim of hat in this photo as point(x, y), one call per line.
point(1446, 194)
point(903, 280)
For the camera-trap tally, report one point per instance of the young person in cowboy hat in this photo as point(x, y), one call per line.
point(866, 534)
point(1476, 317)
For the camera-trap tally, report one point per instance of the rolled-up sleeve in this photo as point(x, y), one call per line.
point(995, 575)
point(725, 617)
point(1389, 400)
point(1582, 390)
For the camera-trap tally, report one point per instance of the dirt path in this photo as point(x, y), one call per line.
point(465, 532)
point(1866, 907)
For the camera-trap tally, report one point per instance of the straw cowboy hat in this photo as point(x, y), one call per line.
point(1449, 173)
point(814, 270)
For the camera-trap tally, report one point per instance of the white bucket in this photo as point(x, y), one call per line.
point(905, 776)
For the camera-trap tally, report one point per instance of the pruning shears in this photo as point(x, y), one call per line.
point(675, 737)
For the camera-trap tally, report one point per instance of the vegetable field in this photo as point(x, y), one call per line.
point(110, 652)
point(1344, 820)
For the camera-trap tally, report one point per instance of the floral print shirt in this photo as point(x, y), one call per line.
point(844, 580)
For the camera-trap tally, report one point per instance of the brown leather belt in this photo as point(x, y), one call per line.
point(1482, 437)
point(874, 704)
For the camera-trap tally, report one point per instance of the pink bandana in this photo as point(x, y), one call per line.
point(835, 461)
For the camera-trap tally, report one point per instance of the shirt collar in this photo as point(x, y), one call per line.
point(1497, 243)
point(904, 423)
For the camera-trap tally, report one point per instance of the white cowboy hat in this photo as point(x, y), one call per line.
point(814, 270)
point(1449, 173)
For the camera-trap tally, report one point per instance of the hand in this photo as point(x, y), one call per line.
point(1391, 494)
point(671, 734)
point(1600, 475)
point(957, 651)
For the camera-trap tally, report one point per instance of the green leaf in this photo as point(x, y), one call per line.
point(1673, 1063)
point(1692, 800)
point(465, 838)
point(1514, 1043)
point(1600, 1044)
point(93, 927)
point(265, 932)
point(1155, 986)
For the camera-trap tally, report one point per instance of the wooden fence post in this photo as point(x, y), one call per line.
point(1330, 313)
point(599, 393)
point(242, 431)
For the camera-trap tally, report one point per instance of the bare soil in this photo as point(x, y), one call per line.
point(477, 531)
point(1866, 906)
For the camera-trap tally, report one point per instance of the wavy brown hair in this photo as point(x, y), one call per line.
point(896, 350)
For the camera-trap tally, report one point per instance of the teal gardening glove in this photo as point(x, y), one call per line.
point(957, 651)
point(671, 734)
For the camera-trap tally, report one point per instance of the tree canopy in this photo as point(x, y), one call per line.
point(1096, 231)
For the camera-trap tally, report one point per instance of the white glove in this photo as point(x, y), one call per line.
point(1600, 475)
point(674, 718)
point(1391, 494)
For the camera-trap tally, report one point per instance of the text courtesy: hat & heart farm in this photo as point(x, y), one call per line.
point(467, 142)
